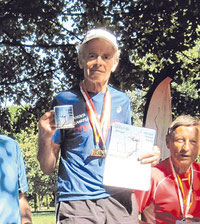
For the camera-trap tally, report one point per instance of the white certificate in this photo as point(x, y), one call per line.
point(122, 168)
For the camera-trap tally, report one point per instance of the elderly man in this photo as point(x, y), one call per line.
point(81, 196)
point(174, 194)
point(14, 208)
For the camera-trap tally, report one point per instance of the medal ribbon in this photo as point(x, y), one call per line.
point(187, 201)
point(100, 127)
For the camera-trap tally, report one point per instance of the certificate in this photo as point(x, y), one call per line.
point(122, 168)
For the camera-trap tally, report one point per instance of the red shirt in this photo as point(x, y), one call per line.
point(161, 203)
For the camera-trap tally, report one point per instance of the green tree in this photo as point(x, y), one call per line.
point(40, 186)
point(38, 47)
point(38, 57)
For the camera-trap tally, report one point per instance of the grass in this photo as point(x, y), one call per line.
point(44, 218)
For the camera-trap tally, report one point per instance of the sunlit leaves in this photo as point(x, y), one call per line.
point(38, 45)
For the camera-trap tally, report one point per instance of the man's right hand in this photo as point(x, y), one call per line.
point(47, 124)
point(47, 150)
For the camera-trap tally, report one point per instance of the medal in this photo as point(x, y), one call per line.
point(99, 126)
point(188, 216)
point(98, 153)
point(185, 201)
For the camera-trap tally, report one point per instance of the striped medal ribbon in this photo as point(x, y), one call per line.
point(185, 200)
point(100, 126)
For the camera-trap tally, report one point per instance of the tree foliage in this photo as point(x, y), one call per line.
point(38, 57)
point(40, 185)
point(38, 41)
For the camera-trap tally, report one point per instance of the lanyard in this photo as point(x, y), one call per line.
point(183, 199)
point(100, 127)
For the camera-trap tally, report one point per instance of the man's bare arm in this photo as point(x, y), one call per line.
point(47, 150)
point(24, 209)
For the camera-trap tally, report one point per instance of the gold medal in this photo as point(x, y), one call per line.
point(98, 153)
point(189, 216)
point(100, 126)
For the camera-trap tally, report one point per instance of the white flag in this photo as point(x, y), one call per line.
point(159, 114)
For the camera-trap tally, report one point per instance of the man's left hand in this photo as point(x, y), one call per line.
point(153, 157)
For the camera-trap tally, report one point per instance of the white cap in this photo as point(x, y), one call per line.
point(100, 33)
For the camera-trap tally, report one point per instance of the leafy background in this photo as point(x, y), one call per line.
point(38, 45)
